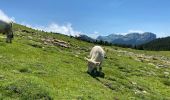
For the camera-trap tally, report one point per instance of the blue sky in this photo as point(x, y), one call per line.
point(92, 17)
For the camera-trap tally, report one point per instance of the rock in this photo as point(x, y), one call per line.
point(119, 55)
point(160, 65)
point(2, 76)
point(154, 58)
point(151, 64)
point(26, 31)
point(137, 91)
point(55, 42)
point(45, 43)
point(137, 60)
point(151, 73)
point(166, 74)
point(76, 56)
point(30, 37)
point(61, 44)
point(147, 60)
point(157, 67)
point(16, 71)
point(134, 83)
point(144, 92)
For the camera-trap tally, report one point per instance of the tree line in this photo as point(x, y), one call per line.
point(160, 44)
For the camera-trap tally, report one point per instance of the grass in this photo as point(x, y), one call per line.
point(32, 70)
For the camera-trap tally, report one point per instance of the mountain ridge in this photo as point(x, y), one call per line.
point(129, 39)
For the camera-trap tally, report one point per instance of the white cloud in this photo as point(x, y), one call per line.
point(131, 31)
point(121, 33)
point(162, 34)
point(135, 31)
point(94, 35)
point(4, 17)
point(66, 29)
point(26, 24)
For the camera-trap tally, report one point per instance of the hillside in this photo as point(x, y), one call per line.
point(157, 44)
point(40, 65)
point(129, 39)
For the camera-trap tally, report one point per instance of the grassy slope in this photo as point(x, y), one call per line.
point(31, 70)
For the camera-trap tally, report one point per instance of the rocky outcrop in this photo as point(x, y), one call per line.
point(55, 42)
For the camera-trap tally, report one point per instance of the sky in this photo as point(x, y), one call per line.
point(90, 17)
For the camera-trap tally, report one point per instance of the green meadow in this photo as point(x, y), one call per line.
point(37, 67)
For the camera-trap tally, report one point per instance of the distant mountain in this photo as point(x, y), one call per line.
point(160, 44)
point(129, 39)
point(85, 38)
